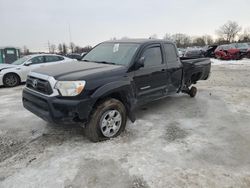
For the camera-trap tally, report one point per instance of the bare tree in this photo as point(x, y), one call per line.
point(86, 48)
point(229, 31)
point(52, 48)
point(25, 50)
point(60, 48)
point(72, 47)
point(168, 37)
point(199, 41)
point(208, 39)
point(64, 49)
point(181, 40)
point(245, 37)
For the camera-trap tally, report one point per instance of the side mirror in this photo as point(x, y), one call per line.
point(140, 63)
point(28, 63)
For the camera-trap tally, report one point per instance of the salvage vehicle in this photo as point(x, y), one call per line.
point(209, 50)
point(194, 53)
point(227, 52)
point(15, 73)
point(243, 47)
point(113, 80)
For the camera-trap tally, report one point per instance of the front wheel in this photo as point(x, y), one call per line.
point(107, 121)
point(11, 80)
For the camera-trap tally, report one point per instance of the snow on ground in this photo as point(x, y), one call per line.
point(175, 142)
point(231, 62)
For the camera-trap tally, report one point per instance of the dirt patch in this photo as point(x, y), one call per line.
point(9, 147)
point(174, 133)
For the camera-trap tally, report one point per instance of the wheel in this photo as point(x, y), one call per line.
point(107, 121)
point(193, 92)
point(237, 56)
point(11, 80)
point(248, 55)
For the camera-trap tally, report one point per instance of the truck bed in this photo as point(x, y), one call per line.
point(195, 69)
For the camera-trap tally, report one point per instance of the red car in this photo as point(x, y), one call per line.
point(227, 52)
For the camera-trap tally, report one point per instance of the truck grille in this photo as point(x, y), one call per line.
point(40, 85)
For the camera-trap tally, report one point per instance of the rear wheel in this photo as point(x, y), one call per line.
point(193, 92)
point(107, 121)
point(11, 80)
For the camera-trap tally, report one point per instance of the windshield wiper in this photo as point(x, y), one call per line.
point(86, 60)
point(105, 62)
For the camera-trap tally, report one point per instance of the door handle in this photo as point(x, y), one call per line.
point(163, 70)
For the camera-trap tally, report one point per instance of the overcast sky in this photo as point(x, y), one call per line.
point(35, 22)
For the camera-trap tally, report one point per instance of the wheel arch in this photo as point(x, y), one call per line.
point(120, 90)
point(8, 73)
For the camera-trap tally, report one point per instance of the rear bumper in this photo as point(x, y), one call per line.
point(56, 110)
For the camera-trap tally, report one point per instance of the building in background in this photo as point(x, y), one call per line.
point(9, 54)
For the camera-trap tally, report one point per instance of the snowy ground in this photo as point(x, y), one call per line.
point(176, 142)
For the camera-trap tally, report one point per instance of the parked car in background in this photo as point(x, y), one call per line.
point(248, 53)
point(13, 74)
point(209, 51)
point(227, 52)
point(194, 53)
point(181, 52)
point(75, 56)
point(243, 47)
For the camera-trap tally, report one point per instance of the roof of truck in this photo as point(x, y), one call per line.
point(139, 41)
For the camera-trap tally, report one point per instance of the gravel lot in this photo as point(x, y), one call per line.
point(175, 142)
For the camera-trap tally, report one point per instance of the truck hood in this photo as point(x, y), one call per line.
point(7, 66)
point(79, 70)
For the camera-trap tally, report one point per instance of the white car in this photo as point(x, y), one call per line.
point(13, 74)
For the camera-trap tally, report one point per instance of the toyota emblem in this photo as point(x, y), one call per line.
point(34, 83)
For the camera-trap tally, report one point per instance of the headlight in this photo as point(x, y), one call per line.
point(70, 88)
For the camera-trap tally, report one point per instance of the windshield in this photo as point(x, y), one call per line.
point(115, 53)
point(21, 60)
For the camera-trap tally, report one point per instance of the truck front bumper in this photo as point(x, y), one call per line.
point(57, 110)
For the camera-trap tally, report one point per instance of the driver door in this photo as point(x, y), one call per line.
point(151, 80)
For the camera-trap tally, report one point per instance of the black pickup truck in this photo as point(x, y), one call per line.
point(111, 81)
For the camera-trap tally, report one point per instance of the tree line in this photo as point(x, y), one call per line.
point(227, 33)
point(63, 48)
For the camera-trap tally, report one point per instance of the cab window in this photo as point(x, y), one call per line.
point(171, 53)
point(153, 56)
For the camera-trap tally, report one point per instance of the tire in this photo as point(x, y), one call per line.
point(104, 122)
point(248, 55)
point(193, 92)
point(11, 80)
point(237, 56)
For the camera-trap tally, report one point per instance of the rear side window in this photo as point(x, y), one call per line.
point(171, 54)
point(52, 58)
point(153, 56)
point(37, 60)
